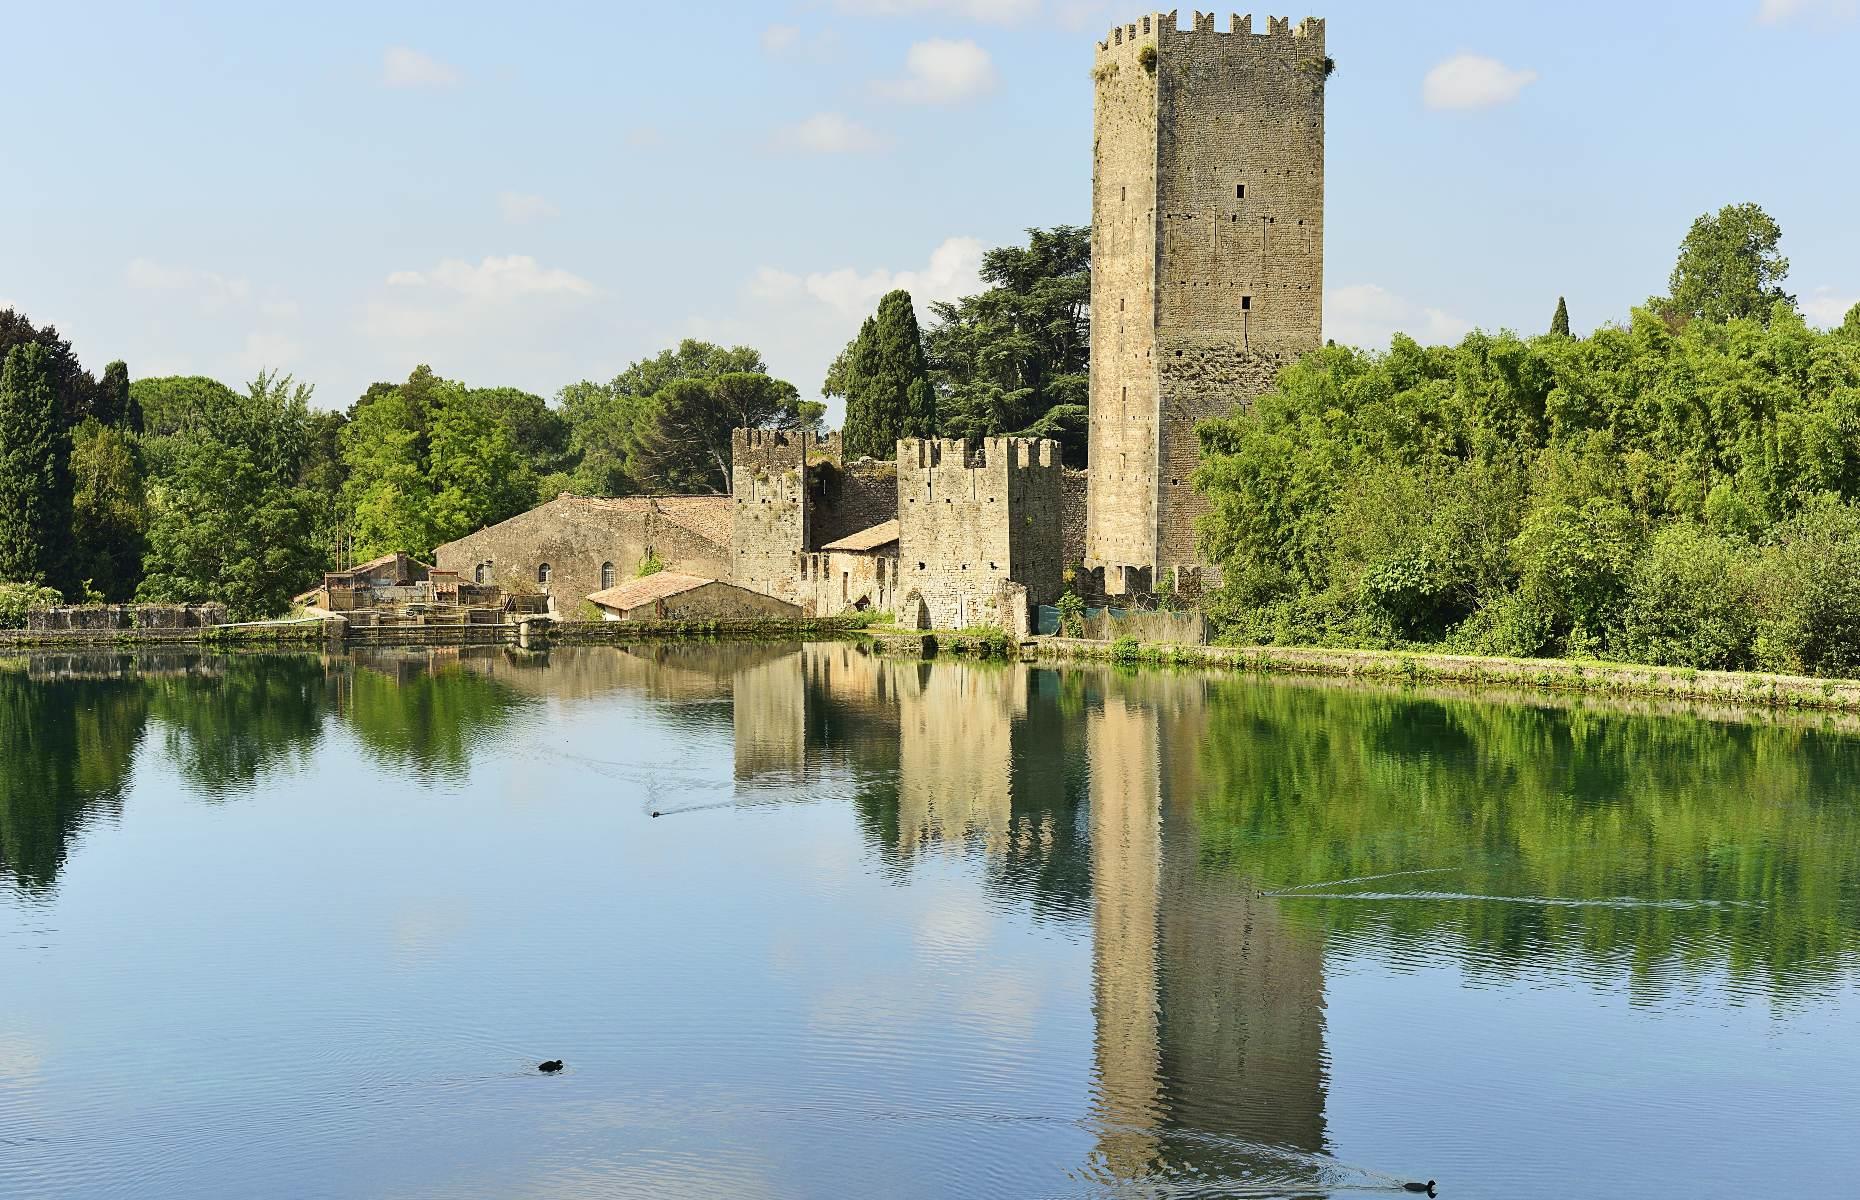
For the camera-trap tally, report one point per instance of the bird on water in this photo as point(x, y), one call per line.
point(1425, 1189)
point(550, 1067)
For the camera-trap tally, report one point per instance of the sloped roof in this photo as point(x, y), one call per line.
point(706, 516)
point(660, 585)
point(876, 537)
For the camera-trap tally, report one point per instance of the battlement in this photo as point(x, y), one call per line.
point(934, 454)
point(778, 449)
point(1307, 36)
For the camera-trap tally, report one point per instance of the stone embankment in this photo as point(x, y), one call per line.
point(1740, 688)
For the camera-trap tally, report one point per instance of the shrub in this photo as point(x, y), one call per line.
point(649, 565)
point(1126, 650)
point(17, 599)
point(1690, 602)
point(1072, 615)
point(1808, 592)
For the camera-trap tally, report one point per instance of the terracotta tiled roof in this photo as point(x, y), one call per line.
point(659, 585)
point(875, 538)
point(706, 516)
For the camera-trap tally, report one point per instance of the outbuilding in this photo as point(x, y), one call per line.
point(671, 596)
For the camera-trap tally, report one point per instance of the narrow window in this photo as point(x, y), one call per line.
point(607, 575)
point(542, 573)
point(1123, 193)
point(1239, 191)
point(1246, 303)
point(845, 584)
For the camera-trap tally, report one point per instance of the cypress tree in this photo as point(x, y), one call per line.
point(859, 436)
point(889, 395)
point(35, 471)
point(1559, 324)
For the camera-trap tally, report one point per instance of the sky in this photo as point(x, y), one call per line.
point(532, 195)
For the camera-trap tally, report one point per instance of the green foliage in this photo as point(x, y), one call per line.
point(691, 359)
point(1127, 650)
point(1017, 355)
point(683, 440)
point(230, 520)
point(1071, 615)
point(1729, 268)
point(1070, 426)
point(1559, 323)
point(649, 565)
point(109, 512)
point(979, 641)
point(1542, 496)
point(885, 379)
point(1146, 58)
point(1809, 591)
point(35, 470)
point(18, 599)
point(430, 461)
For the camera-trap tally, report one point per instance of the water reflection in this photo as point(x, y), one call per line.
point(1223, 850)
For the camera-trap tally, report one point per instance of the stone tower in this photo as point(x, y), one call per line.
point(1207, 260)
point(771, 507)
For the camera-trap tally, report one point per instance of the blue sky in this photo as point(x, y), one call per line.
point(532, 195)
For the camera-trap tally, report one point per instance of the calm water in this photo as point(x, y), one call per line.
point(300, 926)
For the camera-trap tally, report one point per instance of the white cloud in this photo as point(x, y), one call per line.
point(402, 67)
point(209, 290)
point(827, 133)
point(791, 42)
point(1368, 316)
point(520, 208)
point(495, 279)
point(993, 12)
point(1775, 12)
point(1474, 81)
point(1827, 307)
point(954, 270)
point(941, 71)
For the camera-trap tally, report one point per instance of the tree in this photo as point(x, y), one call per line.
point(602, 431)
point(1559, 324)
point(35, 471)
point(230, 521)
point(850, 377)
point(892, 396)
point(1729, 268)
point(539, 434)
point(1004, 358)
point(478, 476)
point(70, 382)
point(388, 493)
point(685, 440)
point(109, 511)
point(114, 405)
point(692, 359)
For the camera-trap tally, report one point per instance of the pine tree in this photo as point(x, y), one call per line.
point(889, 394)
point(1559, 324)
point(35, 471)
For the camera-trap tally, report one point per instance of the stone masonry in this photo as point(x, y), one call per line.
point(973, 522)
point(771, 506)
point(1207, 260)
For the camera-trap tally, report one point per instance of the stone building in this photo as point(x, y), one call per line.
point(1207, 260)
point(671, 596)
point(856, 572)
point(980, 530)
point(574, 546)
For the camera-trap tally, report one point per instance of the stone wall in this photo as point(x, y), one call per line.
point(837, 581)
point(589, 544)
point(1208, 258)
point(771, 506)
point(860, 495)
point(1072, 508)
point(972, 518)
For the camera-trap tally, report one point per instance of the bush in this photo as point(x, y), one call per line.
point(1126, 650)
point(1690, 602)
point(1808, 592)
point(1072, 615)
point(17, 599)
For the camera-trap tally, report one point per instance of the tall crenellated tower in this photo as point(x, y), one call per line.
point(1207, 260)
point(771, 509)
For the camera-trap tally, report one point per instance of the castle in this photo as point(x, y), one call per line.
point(1207, 279)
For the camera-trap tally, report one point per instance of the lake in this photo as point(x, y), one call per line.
point(298, 925)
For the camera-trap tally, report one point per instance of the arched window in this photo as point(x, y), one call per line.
point(542, 573)
point(607, 575)
point(478, 573)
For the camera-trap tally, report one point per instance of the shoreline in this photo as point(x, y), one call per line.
point(1515, 675)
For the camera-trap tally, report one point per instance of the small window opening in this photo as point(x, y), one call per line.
point(1239, 191)
point(1123, 193)
point(607, 575)
point(920, 566)
point(1246, 303)
point(542, 573)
